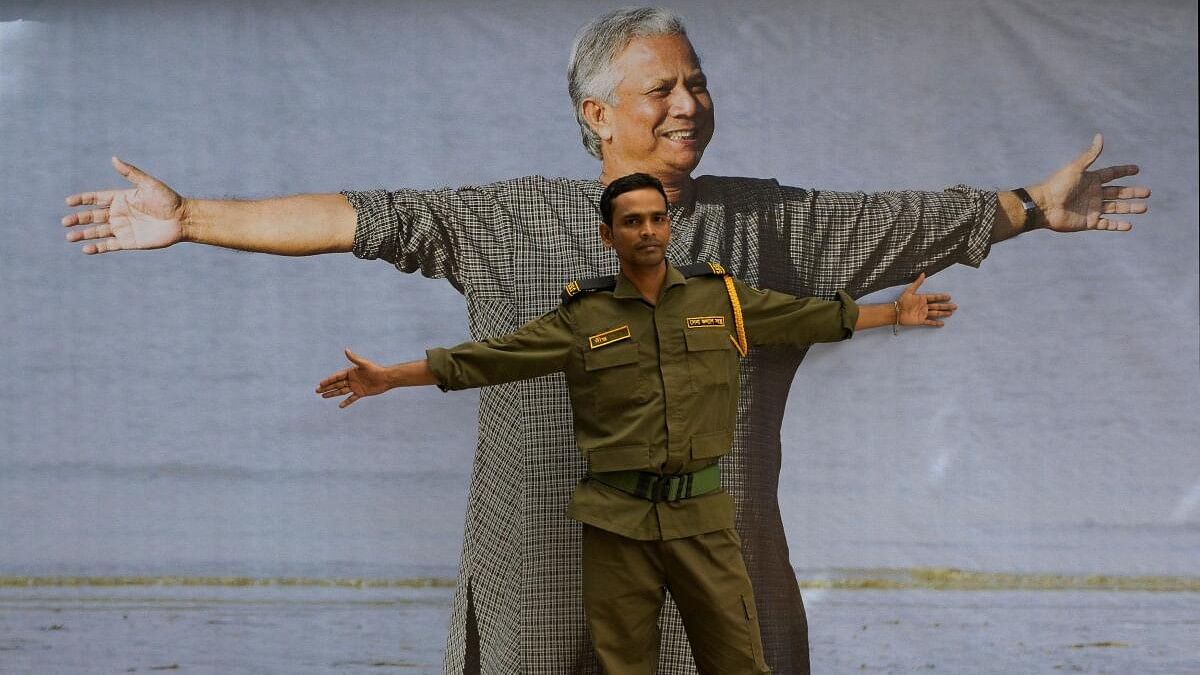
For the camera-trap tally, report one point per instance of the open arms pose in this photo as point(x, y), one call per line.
point(367, 378)
point(152, 215)
point(651, 362)
point(657, 118)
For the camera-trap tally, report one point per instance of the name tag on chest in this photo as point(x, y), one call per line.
point(609, 336)
point(706, 322)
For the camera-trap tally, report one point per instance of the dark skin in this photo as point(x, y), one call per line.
point(639, 234)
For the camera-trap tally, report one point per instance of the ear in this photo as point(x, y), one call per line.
point(605, 234)
point(596, 114)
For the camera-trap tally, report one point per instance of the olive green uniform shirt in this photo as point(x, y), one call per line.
point(653, 387)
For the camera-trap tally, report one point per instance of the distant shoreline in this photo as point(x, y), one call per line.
point(917, 578)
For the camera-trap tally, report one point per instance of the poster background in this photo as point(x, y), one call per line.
point(156, 409)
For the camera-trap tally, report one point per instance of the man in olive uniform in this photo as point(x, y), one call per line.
point(651, 361)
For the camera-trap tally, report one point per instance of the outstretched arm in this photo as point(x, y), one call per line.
point(367, 378)
point(152, 215)
point(1074, 199)
point(915, 309)
point(861, 243)
point(539, 347)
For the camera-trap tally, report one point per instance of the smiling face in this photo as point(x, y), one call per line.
point(661, 119)
point(640, 228)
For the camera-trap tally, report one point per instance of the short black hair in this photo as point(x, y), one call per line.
point(634, 181)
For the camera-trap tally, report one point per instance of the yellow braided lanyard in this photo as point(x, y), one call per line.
point(739, 325)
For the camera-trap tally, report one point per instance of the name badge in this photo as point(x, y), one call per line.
point(706, 322)
point(610, 336)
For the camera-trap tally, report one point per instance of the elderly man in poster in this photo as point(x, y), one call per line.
point(643, 105)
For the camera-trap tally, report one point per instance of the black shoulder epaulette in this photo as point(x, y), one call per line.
point(582, 286)
point(702, 269)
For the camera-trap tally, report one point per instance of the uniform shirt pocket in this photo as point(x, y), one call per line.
point(614, 380)
point(712, 361)
point(712, 365)
point(705, 339)
point(620, 354)
point(707, 446)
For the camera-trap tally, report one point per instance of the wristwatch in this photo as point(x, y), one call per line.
point(1031, 208)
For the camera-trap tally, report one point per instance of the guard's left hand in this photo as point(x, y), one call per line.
point(364, 378)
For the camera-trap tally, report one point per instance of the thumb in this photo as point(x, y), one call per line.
point(130, 172)
point(912, 288)
point(355, 358)
point(1090, 155)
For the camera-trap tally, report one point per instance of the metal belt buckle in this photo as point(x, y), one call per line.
point(669, 488)
point(662, 492)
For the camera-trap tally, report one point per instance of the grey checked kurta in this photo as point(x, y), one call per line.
point(509, 247)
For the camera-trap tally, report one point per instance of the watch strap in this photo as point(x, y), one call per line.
point(1031, 208)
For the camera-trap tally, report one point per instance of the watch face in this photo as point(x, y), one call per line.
point(1021, 194)
point(1030, 209)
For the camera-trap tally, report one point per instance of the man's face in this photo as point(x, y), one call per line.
point(662, 119)
point(640, 230)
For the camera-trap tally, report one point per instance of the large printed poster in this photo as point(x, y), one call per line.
point(171, 487)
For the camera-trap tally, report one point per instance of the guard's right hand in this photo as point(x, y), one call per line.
point(923, 309)
point(148, 215)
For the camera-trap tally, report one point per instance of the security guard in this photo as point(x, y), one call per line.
point(651, 361)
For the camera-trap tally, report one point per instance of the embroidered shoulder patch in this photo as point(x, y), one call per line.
point(610, 336)
point(581, 287)
point(706, 322)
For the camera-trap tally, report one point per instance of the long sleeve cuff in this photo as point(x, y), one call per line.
point(979, 239)
point(442, 368)
point(370, 206)
point(849, 314)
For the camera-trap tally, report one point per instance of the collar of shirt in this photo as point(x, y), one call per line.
point(625, 289)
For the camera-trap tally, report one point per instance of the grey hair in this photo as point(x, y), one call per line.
point(590, 72)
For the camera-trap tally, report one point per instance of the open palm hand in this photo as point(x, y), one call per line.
point(1077, 198)
point(146, 216)
point(923, 309)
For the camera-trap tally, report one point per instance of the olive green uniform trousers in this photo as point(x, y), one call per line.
point(624, 584)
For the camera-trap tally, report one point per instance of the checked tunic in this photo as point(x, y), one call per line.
point(509, 247)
